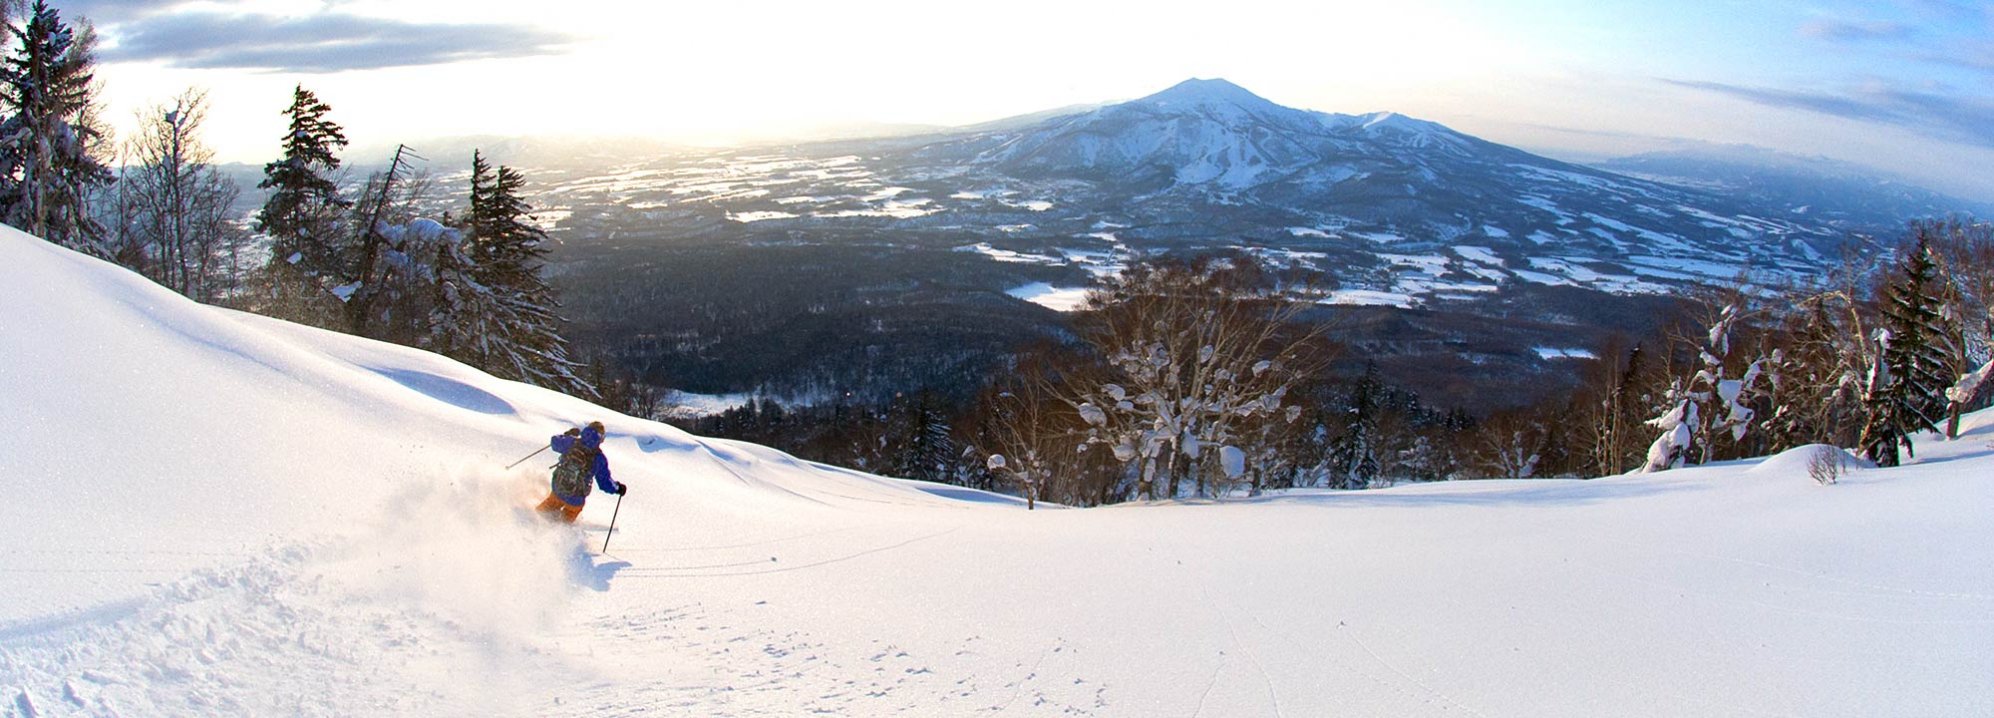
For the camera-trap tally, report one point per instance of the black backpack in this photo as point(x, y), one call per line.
point(571, 475)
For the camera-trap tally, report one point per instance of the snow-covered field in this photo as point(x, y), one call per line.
point(689, 405)
point(212, 513)
point(1059, 299)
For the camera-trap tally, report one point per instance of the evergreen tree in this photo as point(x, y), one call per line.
point(1555, 459)
point(47, 169)
point(1913, 369)
point(506, 251)
point(927, 443)
point(301, 217)
point(1355, 452)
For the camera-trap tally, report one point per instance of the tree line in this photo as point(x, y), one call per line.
point(1863, 357)
point(1203, 376)
point(360, 259)
point(1185, 376)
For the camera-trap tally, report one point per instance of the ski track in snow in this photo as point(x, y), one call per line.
point(1371, 676)
point(1217, 669)
point(237, 641)
point(1232, 634)
point(750, 544)
point(786, 569)
point(1358, 640)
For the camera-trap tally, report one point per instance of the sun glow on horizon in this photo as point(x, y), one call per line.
point(1556, 75)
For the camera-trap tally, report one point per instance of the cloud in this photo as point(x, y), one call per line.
point(1854, 30)
point(1955, 9)
point(1839, 106)
point(102, 11)
point(1971, 56)
point(327, 42)
point(1942, 116)
point(1641, 138)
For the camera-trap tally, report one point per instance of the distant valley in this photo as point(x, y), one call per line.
point(788, 270)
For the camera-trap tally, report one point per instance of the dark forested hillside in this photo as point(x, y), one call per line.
point(806, 321)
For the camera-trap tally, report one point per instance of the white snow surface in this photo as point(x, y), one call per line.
point(213, 513)
point(1564, 353)
point(1058, 299)
point(746, 217)
point(693, 405)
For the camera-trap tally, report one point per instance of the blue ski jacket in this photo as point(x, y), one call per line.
point(591, 439)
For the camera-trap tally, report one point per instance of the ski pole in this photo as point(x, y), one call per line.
point(612, 522)
point(536, 452)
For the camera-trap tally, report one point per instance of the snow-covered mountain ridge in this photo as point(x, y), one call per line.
point(1207, 162)
point(1825, 188)
point(1385, 208)
point(1210, 132)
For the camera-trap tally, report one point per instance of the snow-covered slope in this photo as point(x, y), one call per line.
point(217, 514)
point(186, 482)
point(1197, 132)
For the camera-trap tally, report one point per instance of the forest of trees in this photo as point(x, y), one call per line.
point(360, 259)
point(1192, 377)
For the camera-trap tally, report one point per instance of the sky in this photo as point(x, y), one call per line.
point(1903, 86)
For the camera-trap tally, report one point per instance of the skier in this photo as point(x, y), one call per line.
point(581, 458)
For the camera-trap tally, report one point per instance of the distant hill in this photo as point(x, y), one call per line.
point(1837, 193)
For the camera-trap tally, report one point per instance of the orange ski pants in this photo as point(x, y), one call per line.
point(554, 504)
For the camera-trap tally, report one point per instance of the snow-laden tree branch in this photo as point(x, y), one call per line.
point(1707, 404)
point(1200, 359)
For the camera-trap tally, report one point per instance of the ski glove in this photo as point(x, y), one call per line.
point(621, 489)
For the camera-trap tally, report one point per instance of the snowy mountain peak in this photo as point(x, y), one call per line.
point(1197, 92)
point(1388, 122)
point(1210, 134)
point(1377, 118)
point(1207, 158)
point(1388, 119)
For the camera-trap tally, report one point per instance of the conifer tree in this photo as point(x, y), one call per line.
point(507, 247)
point(1964, 252)
point(506, 251)
point(301, 217)
point(1355, 452)
point(927, 447)
point(1913, 369)
point(47, 138)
